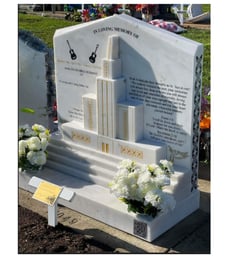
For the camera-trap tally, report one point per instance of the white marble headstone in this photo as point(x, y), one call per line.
point(130, 88)
point(125, 90)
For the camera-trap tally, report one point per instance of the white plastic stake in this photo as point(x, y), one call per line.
point(52, 215)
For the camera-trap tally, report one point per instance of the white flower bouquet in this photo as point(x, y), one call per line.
point(141, 187)
point(32, 147)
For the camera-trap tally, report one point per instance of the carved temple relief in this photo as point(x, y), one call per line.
point(114, 124)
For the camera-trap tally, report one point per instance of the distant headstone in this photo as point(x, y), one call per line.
point(126, 90)
point(36, 85)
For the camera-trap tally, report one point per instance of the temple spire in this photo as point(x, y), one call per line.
point(113, 47)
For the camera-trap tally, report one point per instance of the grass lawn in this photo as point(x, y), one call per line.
point(202, 36)
point(44, 28)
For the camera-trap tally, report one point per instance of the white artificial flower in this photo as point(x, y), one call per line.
point(154, 197)
point(40, 158)
point(44, 143)
point(144, 177)
point(120, 190)
point(21, 134)
point(25, 130)
point(161, 180)
point(34, 143)
point(167, 164)
point(31, 157)
point(133, 176)
point(36, 157)
point(135, 193)
point(24, 127)
point(158, 171)
point(119, 178)
point(121, 174)
point(22, 147)
point(143, 183)
point(146, 187)
point(152, 168)
point(127, 163)
point(38, 128)
point(45, 135)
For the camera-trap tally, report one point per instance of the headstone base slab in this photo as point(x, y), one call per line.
point(97, 202)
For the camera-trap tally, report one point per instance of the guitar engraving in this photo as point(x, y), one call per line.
point(71, 52)
point(93, 55)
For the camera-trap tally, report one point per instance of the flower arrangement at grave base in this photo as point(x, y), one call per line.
point(32, 142)
point(141, 187)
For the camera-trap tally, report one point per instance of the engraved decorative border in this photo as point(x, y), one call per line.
point(125, 150)
point(196, 122)
point(80, 137)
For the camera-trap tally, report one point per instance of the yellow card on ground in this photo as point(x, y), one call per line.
point(47, 193)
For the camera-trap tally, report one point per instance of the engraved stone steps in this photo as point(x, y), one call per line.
point(102, 176)
point(76, 160)
point(83, 166)
point(179, 177)
point(178, 191)
point(79, 157)
point(58, 141)
point(78, 173)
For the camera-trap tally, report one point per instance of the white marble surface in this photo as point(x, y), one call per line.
point(140, 86)
point(96, 201)
point(158, 67)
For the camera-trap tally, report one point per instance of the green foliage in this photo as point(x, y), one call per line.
point(27, 110)
point(42, 27)
point(206, 8)
point(140, 208)
point(202, 36)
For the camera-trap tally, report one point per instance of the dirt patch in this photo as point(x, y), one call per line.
point(35, 236)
